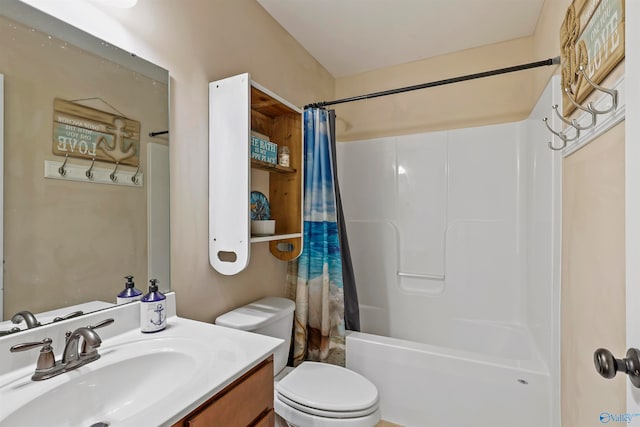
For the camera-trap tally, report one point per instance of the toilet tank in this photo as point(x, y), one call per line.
point(270, 316)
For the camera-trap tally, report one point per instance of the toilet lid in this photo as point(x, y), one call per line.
point(328, 388)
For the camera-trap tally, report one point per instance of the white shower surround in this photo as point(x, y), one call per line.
point(454, 238)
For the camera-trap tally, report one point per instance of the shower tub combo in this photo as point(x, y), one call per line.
point(450, 384)
point(452, 246)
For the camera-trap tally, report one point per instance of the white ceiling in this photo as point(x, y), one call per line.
point(354, 36)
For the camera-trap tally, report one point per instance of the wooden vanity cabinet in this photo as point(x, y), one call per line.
point(247, 402)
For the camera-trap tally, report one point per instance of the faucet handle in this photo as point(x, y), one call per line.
point(29, 345)
point(68, 316)
point(46, 359)
point(103, 323)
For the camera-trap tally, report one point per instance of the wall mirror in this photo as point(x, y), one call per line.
point(68, 242)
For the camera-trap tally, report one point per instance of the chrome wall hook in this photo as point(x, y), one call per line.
point(613, 93)
point(112, 175)
point(61, 170)
point(562, 135)
point(574, 122)
point(89, 172)
point(554, 148)
point(135, 178)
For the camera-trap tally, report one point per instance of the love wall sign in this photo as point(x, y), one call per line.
point(592, 36)
point(86, 133)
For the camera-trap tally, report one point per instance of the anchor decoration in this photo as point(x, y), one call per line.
point(159, 310)
point(87, 133)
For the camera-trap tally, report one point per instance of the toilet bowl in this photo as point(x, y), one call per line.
point(313, 394)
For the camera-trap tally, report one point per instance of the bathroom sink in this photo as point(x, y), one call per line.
point(139, 380)
point(127, 379)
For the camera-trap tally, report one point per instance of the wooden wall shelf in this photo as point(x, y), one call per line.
point(270, 167)
point(236, 107)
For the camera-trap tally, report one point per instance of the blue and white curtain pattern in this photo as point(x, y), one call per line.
point(315, 280)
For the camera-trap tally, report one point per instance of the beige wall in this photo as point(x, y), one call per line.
point(593, 277)
point(497, 99)
point(67, 242)
point(200, 41)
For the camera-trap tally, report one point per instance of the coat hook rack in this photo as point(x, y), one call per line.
point(590, 110)
point(67, 171)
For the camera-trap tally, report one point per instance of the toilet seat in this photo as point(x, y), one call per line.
point(326, 414)
point(328, 391)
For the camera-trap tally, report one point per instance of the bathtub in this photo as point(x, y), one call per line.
point(494, 378)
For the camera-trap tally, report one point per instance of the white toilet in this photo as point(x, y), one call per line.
point(312, 394)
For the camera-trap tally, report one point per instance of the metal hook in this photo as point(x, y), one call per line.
point(134, 178)
point(112, 175)
point(550, 144)
point(89, 172)
point(561, 135)
point(575, 124)
point(611, 92)
point(61, 170)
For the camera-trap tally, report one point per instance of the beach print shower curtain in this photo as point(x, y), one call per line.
point(315, 280)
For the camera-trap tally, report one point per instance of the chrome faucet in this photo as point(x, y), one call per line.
point(68, 316)
point(72, 356)
point(10, 331)
point(28, 317)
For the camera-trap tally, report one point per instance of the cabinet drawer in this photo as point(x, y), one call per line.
point(240, 404)
point(268, 420)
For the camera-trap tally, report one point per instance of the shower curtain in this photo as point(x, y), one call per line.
point(321, 280)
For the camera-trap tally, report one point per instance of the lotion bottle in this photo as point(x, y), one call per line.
point(153, 309)
point(129, 293)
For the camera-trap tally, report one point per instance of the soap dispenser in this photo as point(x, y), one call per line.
point(153, 309)
point(129, 293)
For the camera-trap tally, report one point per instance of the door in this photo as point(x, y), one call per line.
point(593, 278)
point(632, 190)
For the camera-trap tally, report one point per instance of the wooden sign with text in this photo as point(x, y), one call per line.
point(591, 35)
point(86, 133)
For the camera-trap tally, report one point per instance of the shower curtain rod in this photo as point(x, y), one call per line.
point(546, 62)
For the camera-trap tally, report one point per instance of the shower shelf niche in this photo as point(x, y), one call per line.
point(238, 106)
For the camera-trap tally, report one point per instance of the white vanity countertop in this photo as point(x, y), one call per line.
point(192, 362)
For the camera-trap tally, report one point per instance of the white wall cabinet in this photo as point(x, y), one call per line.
point(236, 107)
